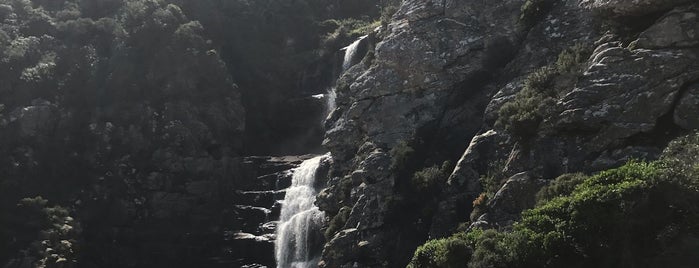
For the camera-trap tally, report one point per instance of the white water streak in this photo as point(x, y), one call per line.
point(350, 53)
point(299, 217)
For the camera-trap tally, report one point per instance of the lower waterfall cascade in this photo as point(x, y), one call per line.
point(299, 219)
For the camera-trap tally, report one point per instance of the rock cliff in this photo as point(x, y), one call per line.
point(542, 87)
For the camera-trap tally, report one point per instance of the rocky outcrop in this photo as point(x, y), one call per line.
point(517, 194)
point(443, 68)
point(431, 54)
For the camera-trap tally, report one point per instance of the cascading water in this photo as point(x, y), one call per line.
point(347, 61)
point(350, 53)
point(299, 219)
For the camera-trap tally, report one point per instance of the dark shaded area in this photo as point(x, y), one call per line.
point(276, 51)
point(129, 118)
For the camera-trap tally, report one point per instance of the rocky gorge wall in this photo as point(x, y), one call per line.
point(127, 126)
point(518, 91)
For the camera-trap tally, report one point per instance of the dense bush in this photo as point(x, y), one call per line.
point(450, 252)
point(51, 234)
point(561, 186)
point(637, 215)
point(428, 180)
point(401, 156)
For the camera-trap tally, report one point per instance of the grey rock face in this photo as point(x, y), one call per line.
point(422, 78)
point(631, 7)
point(428, 50)
point(429, 54)
point(516, 195)
point(686, 112)
point(624, 91)
point(678, 28)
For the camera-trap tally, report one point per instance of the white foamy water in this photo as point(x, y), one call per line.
point(330, 104)
point(350, 53)
point(299, 218)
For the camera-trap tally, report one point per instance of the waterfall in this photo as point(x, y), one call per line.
point(299, 219)
point(350, 53)
point(330, 101)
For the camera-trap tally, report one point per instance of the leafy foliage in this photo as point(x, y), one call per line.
point(401, 156)
point(450, 252)
point(561, 186)
point(53, 234)
point(428, 180)
point(637, 215)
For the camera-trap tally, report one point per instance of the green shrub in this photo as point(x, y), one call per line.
point(624, 210)
point(337, 222)
point(572, 57)
point(428, 179)
point(637, 215)
point(56, 243)
point(450, 252)
point(561, 186)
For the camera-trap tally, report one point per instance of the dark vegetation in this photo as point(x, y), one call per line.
point(123, 120)
point(280, 52)
point(637, 215)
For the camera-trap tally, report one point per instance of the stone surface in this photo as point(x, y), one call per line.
point(516, 195)
point(631, 7)
point(624, 92)
point(686, 111)
point(429, 81)
point(678, 28)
